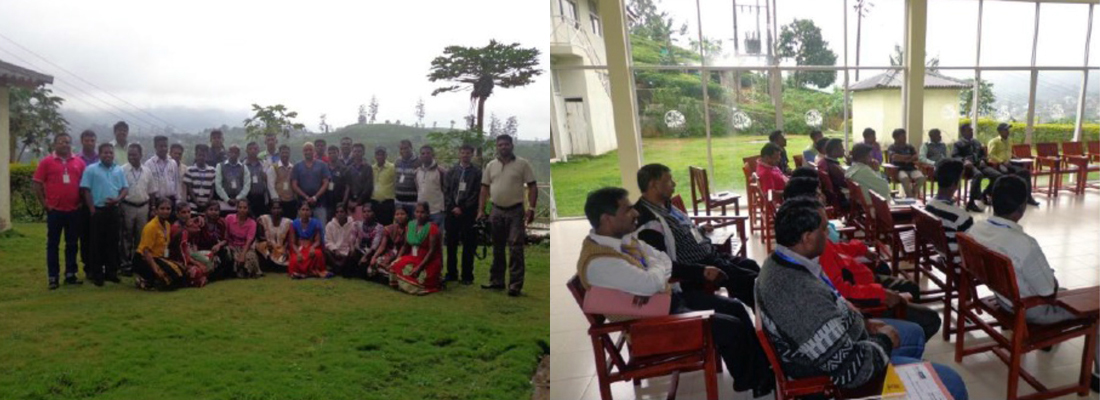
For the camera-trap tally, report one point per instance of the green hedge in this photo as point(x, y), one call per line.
point(24, 205)
point(1042, 133)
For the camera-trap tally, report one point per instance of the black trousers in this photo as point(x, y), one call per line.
point(383, 211)
point(84, 228)
point(104, 239)
point(257, 204)
point(742, 274)
point(1005, 169)
point(928, 319)
point(460, 231)
point(733, 336)
point(290, 209)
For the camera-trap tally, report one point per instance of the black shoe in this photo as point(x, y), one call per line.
point(467, 282)
point(126, 273)
point(1048, 349)
point(513, 293)
point(494, 287)
point(763, 390)
point(449, 278)
point(1095, 383)
point(98, 281)
point(73, 281)
point(112, 278)
point(53, 284)
point(971, 206)
point(1032, 202)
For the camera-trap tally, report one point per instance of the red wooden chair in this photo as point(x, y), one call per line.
point(895, 242)
point(996, 272)
point(799, 161)
point(936, 255)
point(790, 388)
point(1094, 150)
point(1021, 156)
point(700, 193)
point(756, 213)
point(729, 231)
point(1049, 159)
point(657, 346)
point(1075, 155)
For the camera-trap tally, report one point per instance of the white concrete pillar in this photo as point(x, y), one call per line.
point(5, 159)
point(623, 105)
point(916, 24)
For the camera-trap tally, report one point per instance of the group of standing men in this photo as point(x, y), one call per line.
point(93, 199)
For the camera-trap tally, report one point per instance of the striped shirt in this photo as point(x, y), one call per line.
point(954, 220)
point(201, 181)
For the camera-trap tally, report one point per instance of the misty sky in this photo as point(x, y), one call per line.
point(314, 57)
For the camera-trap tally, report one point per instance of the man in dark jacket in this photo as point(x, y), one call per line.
point(695, 261)
point(461, 187)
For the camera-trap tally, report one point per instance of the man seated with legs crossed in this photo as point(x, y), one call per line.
point(816, 331)
point(695, 260)
point(613, 257)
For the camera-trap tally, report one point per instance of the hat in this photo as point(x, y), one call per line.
point(1004, 126)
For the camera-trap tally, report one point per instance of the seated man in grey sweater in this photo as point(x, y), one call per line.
point(814, 330)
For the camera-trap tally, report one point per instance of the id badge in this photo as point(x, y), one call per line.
point(331, 186)
point(416, 252)
point(65, 178)
point(401, 179)
point(255, 179)
point(698, 237)
point(233, 185)
point(286, 185)
point(462, 186)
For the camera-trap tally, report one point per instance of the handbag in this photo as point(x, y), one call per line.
point(607, 301)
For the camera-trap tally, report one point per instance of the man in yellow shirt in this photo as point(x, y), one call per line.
point(998, 162)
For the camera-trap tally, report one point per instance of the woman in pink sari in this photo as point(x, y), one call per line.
point(419, 267)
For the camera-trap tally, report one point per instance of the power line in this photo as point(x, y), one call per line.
point(85, 80)
point(58, 81)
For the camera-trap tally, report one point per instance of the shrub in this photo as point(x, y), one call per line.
point(986, 129)
point(24, 204)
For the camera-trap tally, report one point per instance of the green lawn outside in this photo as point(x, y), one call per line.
point(271, 338)
point(574, 179)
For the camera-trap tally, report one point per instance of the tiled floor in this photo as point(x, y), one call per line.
point(1067, 227)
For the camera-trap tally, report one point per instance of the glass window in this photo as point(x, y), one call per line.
point(583, 135)
point(569, 10)
point(1009, 92)
point(876, 104)
point(1094, 43)
point(876, 37)
point(1056, 95)
point(951, 38)
point(1092, 99)
point(1062, 32)
point(663, 36)
point(594, 17)
point(809, 32)
point(1007, 29)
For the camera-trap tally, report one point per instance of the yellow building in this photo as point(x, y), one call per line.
point(877, 104)
point(11, 75)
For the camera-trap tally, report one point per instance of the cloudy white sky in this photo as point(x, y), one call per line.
point(316, 57)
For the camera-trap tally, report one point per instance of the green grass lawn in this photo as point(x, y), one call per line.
point(574, 179)
point(271, 338)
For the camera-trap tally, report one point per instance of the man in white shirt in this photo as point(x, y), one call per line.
point(341, 240)
point(135, 206)
point(613, 257)
point(429, 185)
point(1003, 234)
point(165, 172)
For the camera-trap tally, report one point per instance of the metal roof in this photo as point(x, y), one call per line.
point(11, 74)
point(892, 80)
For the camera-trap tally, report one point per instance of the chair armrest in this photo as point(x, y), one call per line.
point(626, 325)
point(891, 171)
point(904, 227)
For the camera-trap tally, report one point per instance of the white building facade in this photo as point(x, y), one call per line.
point(581, 120)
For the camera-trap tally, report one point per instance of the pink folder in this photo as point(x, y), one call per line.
point(606, 301)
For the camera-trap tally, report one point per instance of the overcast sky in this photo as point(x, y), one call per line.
point(315, 57)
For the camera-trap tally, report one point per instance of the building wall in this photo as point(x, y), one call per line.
point(880, 109)
point(579, 46)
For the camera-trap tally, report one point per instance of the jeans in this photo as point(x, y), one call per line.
point(951, 379)
point(56, 222)
point(912, 338)
point(320, 212)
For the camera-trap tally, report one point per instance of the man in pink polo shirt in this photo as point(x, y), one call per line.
point(767, 170)
point(57, 186)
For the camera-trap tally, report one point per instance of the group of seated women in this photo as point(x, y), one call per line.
point(202, 246)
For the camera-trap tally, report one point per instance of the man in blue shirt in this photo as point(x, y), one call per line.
point(104, 186)
point(309, 179)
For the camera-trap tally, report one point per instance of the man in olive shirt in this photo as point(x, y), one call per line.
point(385, 179)
point(999, 163)
point(503, 182)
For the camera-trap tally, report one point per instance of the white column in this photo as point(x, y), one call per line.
point(623, 105)
point(913, 88)
point(5, 159)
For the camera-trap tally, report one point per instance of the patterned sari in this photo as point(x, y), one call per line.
point(273, 245)
point(427, 280)
point(394, 239)
point(305, 260)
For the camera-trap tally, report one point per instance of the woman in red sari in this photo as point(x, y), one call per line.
point(306, 242)
point(420, 263)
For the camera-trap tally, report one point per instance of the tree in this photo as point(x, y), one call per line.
point(511, 127)
point(862, 7)
point(452, 124)
point(372, 110)
point(362, 114)
point(495, 126)
point(802, 41)
point(271, 120)
point(898, 58)
point(419, 112)
point(711, 49)
point(480, 69)
point(647, 22)
point(35, 115)
point(985, 98)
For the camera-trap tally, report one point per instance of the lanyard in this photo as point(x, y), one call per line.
point(995, 223)
point(821, 275)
